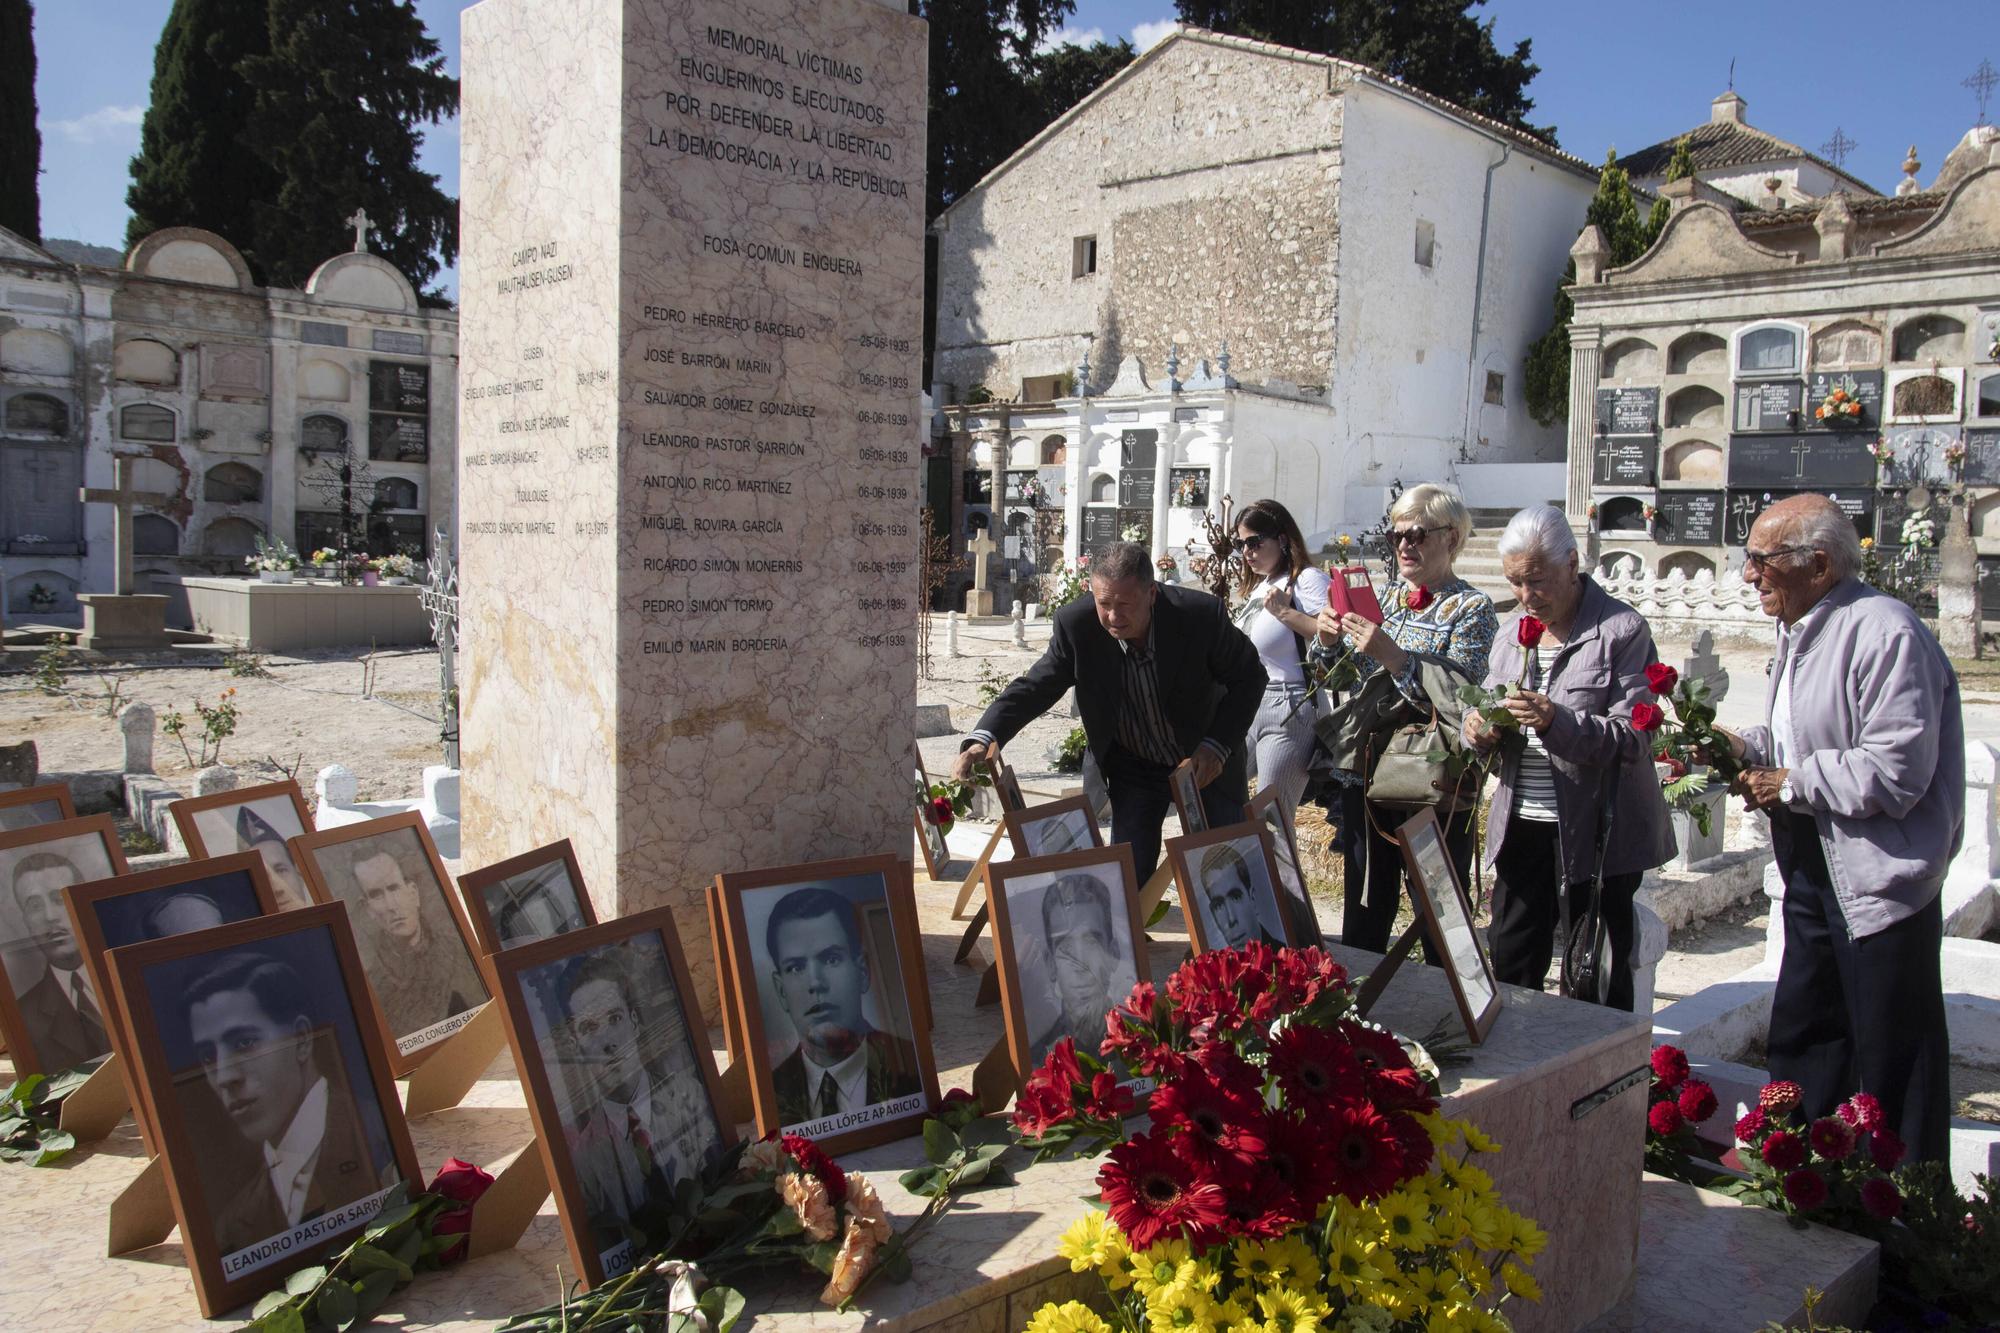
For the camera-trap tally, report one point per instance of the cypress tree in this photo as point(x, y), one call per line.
point(192, 169)
point(20, 139)
point(339, 94)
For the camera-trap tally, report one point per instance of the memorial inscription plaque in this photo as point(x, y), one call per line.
point(1864, 386)
point(1745, 506)
point(1100, 527)
point(1775, 406)
point(1982, 457)
point(692, 283)
point(1799, 462)
point(1689, 518)
point(1628, 411)
point(1625, 460)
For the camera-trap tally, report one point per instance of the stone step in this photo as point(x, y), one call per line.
point(1710, 1264)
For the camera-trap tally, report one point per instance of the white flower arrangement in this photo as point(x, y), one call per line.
point(397, 566)
point(1919, 531)
point(272, 557)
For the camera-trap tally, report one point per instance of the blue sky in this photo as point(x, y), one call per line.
point(1612, 74)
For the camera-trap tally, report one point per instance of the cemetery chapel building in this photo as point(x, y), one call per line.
point(229, 398)
point(1241, 269)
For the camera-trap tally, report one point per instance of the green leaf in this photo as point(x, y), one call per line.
point(923, 1181)
point(387, 1221)
point(372, 1291)
point(998, 1174)
point(973, 1172)
point(369, 1260)
point(896, 1262)
point(408, 1248)
point(270, 1301)
point(336, 1306)
point(285, 1319)
point(987, 1129)
point(939, 1142)
point(986, 1152)
point(1159, 913)
point(302, 1282)
point(784, 1222)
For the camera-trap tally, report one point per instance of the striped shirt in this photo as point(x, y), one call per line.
point(1535, 785)
point(1143, 728)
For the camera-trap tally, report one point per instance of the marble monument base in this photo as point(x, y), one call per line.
point(124, 622)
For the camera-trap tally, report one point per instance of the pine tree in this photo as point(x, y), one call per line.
point(981, 108)
point(338, 98)
point(20, 139)
point(192, 169)
point(1063, 76)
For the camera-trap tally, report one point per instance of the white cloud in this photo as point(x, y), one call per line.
point(1070, 37)
point(1145, 35)
point(107, 122)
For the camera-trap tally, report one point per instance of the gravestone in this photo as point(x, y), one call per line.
point(1958, 587)
point(692, 289)
point(1864, 386)
point(979, 601)
point(135, 724)
point(1689, 518)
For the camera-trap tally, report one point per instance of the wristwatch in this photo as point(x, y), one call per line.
point(1786, 795)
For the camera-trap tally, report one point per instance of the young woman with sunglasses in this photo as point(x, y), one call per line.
point(1285, 592)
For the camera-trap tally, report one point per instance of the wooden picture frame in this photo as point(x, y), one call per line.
point(1441, 901)
point(387, 961)
point(1257, 908)
point(106, 914)
point(1053, 827)
point(1187, 798)
point(930, 838)
point(1007, 787)
point(216, 825)
point(537, 984)
point(46, 1027)
point(27, 807)
point(224, 1207)
point(878, 893)
point(478, 888)
point(1269, 809)
point(725, 981)
point(1030, 996)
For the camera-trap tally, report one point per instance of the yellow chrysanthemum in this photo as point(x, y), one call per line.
point(1179, 1306)
point(1406, 1220)
point(1350, 1267)
point(1443, 1132)
point(1157, 1266)
point(1093, 1243)
point(1396, 1295)
point(1524, 1237)
point(1487, 1225)
point(1472, 1180)
point(1476, 1274)
point(1288, 1259)
point(1292, 1310)
point(1520, 1282)
point(1069, 1317)
point(1475, 1140)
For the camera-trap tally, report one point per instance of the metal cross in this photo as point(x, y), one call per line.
point(361, 224)
point(338, 478)
point(1982, 84)
point(440, 598)
point(121, 497)
point(1838, 147)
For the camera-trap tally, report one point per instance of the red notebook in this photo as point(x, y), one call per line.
point(1352, 591)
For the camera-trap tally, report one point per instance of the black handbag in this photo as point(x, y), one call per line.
point(1586, 940)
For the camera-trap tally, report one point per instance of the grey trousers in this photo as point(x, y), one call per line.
point(1279, 750)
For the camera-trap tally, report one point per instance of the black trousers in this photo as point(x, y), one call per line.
point(1140, 801)
point(1527, 877)
point(1372, 872)
point(1862, 1015)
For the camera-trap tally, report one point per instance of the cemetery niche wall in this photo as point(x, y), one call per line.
point(693, 275)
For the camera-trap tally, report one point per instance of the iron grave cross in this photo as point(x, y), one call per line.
point(360, 223)
point(121, 497)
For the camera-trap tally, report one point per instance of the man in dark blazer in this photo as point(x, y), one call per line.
point(1161, 675)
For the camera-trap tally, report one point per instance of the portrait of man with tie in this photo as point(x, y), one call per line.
point(1083, 956)
point(293, 1142)
point(60, 1009)
point(819, 972)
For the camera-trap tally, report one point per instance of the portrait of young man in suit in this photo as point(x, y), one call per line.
point(1161, 674)
point(60, 1009)
point(820, 972)
point(1234, 912)
point(293, 1145)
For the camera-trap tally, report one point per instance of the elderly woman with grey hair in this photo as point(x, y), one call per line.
point(1578, 798)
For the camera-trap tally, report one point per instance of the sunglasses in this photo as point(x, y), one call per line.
point(1756, 560)
point(1250, 543)
point(1412, 536)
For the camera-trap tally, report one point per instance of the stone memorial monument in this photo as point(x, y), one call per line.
point(122, 619)
point(692, 286)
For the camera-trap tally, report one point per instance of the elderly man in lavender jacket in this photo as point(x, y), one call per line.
point(1862, 772)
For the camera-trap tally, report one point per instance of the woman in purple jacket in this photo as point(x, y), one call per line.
point(1578, 795)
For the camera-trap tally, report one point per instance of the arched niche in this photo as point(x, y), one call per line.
point(1688, 563)
point(155, 534)
point(1019, 521)
point(358, 278)
point(1847, 344)
point(327, 381)
point(1698, 354)
point(1769, 350)
point(1986, 398)
point(977, 521)
point(146, 421)
point(396, 493)
point(323, 434)
point(232, 484)
point(230, 537)
point(1931, 337)
point(145, 361)
point(1984, 519)
point(190, 254)
point(1622, 513)
point(1022, 453)
point(23, 599)
point(36, 352)
point(1055, 451)
point(1692, 460)
point(1625, 564)
point(1925, 397)
point(1103, 490)
point(35, 414)
point(1629, 357)
point(1696, 406)
point(155, 475)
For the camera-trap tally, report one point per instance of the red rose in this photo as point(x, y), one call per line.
point(1750, 1126)
point(1529, 632)
point(1697, 1101)
point(464, 1183)
point(1664, 1118)
point(1662, 678)
point(1881, 1198)
point(1805, 1189)
point(1832, 1137)
point(941, 812)
point(1417, 598)
point(1783, 1151)
point(1647, 717)
point(1670, 1065)
point(1781, 1096)
point(1885, 1149)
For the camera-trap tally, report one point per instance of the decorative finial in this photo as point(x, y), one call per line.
point(1083, 374)
point(1222, 361)
point(1908, 185)
point(361, 224)
point(1173, 361)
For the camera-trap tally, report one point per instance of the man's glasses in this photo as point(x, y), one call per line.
point(1412, 536)
point(1250, 543)
point(1757, 560)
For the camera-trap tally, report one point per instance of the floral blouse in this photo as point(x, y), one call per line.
point(1457, 623)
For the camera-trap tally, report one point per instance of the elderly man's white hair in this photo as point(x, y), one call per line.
point(1818, 522)
point(1541, 530)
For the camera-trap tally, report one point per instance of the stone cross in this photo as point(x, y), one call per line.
point(440, 598)
point(981, 547)
point(121, 497)
point(1703, 664)
point(361, 224)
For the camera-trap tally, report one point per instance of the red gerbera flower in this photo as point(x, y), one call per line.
point(1670, 1065)
point(1152, 1191)
point(1392, 1081)
point(1881, 1198)
point(1697, 1101)
point(1296, 1157)
point(1528, 633)
point(1783, 1151)
point(1885, 1149)
point(810, 1159)
point(1313, 1065)
point(1662, 678)
point(1832, 1137)
point(1415, 1142)
point(1805, 1189)
point(1261, 1205)
point(1664, 1118)
point(1222, 1126)
point(1366, 1157)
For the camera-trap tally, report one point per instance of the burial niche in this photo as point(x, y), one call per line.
point(1696, 406)
point(1692, 460)
point(36, 414)
point(232, 484)
point(145, 361)
point(322, 434)
point(1925, 396)
point(146, 421)
point(1622, 514)
point(35, 352)
point(1698, 354)
point(1104, 490)
point(1629, 357)
point(395, 493)
point(325, 381)
point(1055, 451)
point(230, 537)
point(1989, 396)
point(155, 534)
point(1769, 349)
point(1688, 563)
point(1929, 338)
point(1847, 345)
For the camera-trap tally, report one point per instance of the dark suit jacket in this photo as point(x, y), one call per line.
point(892, 1072)
point(1211, 680)
point(344, 1172)
point(63, 1038)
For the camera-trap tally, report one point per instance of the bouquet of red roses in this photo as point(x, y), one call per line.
point(1689, 745)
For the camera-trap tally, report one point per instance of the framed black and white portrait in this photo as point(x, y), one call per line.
point(1229, 888)
point(533, 896)
point(51, 1009)
point(1441, 897)
point(1053, 827)
point(25, 807)
point(1268, 809)
point(261, 819)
